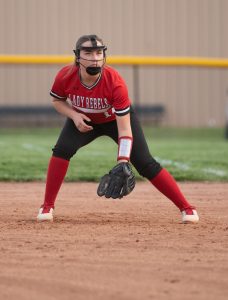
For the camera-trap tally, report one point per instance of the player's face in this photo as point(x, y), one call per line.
point(91, 58)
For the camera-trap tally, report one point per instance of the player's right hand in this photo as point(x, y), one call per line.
point(80, 122)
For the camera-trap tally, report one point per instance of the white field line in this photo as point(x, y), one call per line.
point(186, 167)
point(34, 148)
point(164, 162)
point(217, 172)
point(169, 162)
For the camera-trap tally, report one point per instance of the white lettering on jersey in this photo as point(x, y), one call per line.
point(78, 101)
point(87, 102)
point(98, 103)
point(93, 105)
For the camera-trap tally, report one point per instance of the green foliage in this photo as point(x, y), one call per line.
point(189, 154)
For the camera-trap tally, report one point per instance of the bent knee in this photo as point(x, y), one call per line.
point(150, 169)
point(63, 152)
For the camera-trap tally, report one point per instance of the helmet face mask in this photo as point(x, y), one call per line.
point(91, 70)
point(77, 51)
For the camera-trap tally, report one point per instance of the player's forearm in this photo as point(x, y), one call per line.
point(63, 108)
point(124, 126)
point(125, 138)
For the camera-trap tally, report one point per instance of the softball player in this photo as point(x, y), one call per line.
point(94, 98)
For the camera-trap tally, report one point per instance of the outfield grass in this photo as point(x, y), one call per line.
point(189, 154)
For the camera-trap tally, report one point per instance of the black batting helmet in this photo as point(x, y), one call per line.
point(94, 39)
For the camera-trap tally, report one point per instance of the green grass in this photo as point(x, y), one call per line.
point(189, 154)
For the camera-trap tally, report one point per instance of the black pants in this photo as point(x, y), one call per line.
point(71, 139)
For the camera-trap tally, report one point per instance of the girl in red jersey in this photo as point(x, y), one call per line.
point(98, 104)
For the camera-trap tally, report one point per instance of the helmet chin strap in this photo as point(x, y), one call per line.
point(93, 70)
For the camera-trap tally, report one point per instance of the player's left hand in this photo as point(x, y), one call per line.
point(118, 183)
point(82, 122)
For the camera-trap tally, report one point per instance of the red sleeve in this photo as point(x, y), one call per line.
point(121, 101)
point(57, 90)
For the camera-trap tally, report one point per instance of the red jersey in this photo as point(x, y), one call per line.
point(107, 97)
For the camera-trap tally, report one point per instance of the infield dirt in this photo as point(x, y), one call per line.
point(134, 248)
